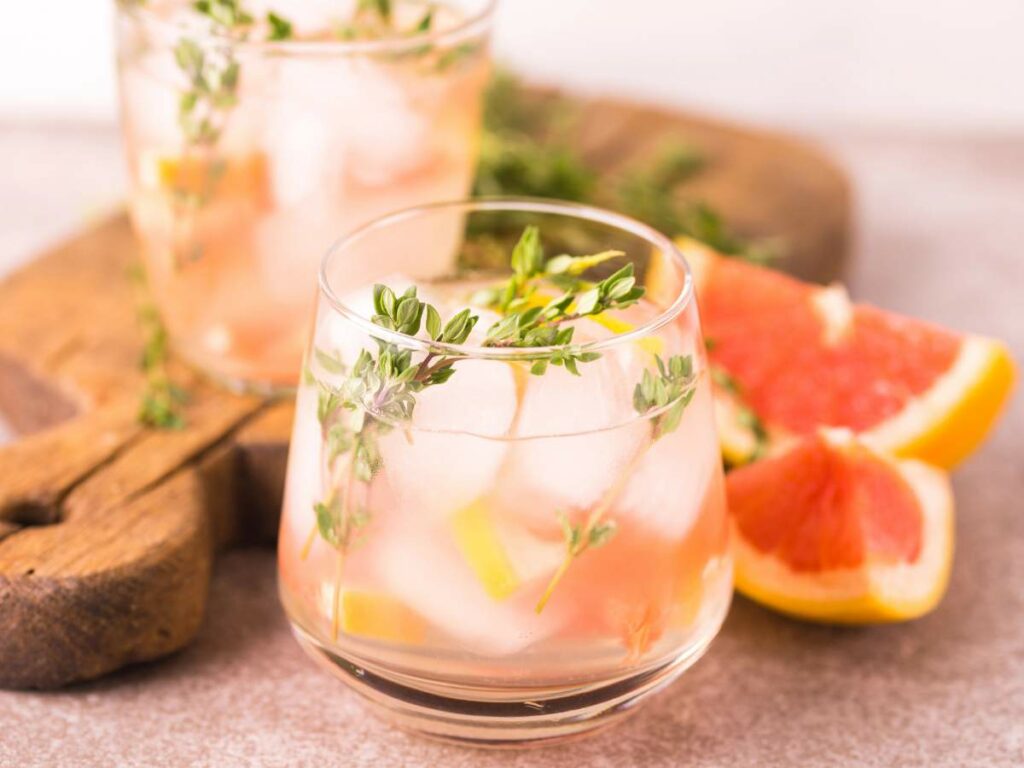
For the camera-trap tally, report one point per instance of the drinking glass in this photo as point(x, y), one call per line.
point(247, 155)
point(515, 553)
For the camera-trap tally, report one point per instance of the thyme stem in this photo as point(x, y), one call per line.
point(583, 541)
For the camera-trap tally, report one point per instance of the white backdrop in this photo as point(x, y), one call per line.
point(945, 63)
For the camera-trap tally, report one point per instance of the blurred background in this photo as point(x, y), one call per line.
point(835, 70)
point(946, 64)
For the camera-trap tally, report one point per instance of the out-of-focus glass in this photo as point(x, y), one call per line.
point(425, 560)
point(249, 156)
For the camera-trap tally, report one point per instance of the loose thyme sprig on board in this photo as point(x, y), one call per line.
point(664, 394)
point(160, 406)
point(528, 149)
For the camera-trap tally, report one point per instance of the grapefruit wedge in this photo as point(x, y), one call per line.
point(832, 530)
point(800, 357)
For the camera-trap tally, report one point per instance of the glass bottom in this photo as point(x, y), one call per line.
point(500, 718)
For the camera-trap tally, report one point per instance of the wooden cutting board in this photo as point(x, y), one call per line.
point(108, 530)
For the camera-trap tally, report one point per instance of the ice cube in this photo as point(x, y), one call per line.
point(422, 567)
point(668, 486)
point(289, 245)
point(298, 106)
point(386, 136)
point(302, 158)
point(443, 468)
point(149, 97)
point(583, 433)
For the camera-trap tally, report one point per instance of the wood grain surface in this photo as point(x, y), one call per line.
point(108, 531)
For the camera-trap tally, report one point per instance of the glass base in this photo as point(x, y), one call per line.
point(494, 718)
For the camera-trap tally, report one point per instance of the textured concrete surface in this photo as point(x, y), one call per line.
point(941, 237)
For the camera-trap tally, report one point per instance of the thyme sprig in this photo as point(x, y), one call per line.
point(212, 75)
point(663, 394)
point(668, 391)
point(376, 394)
point(212, 72)
point(374, 19)
point(160, 406)
point(162, 399)
point(379, 390)
point(279, 27)
point(528, 149)
point(380, 7)
point(529, 323)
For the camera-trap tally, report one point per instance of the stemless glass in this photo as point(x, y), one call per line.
point(425, 551)
point(248, 155)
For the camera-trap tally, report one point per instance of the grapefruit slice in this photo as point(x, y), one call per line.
point(503, 557)
point(834, 531)
point(802, 356)
point(204, 175)
point(379, 616)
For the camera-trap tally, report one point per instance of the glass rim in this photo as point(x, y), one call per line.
point(473, 25)
point(521, 205)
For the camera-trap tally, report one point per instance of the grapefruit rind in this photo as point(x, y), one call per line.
point(737, 442)
point(374, 615)
point(835, 310)
point(944, 425)
point(875, 593)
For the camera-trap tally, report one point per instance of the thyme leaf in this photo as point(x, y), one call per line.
point(280, 27)
point(160, 406)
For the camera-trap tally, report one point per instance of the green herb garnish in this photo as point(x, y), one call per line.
point(426, 22)
point(224, 13)
point(668, 391)
point(377, 393)
point(527, 149)
point(648, 193)
point(212, 73)
point(161, 403)
point(280, 28)
point(381, 7)
point(746, 417)
point(529, 322)
point(663, 395)
point(725, 381)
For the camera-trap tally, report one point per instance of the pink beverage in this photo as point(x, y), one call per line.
point(253, 144)
point(512, 552)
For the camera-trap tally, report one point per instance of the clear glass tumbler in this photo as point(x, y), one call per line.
point(496, 543)
point(257, 132)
